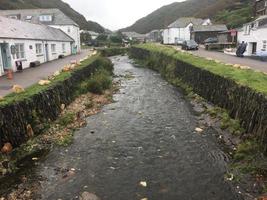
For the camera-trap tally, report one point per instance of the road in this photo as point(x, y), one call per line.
point(254, 64)
point(146, 135)
point(31, 76)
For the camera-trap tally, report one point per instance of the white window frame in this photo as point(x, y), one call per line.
point(53, 48)
point(45, 18)
point(39, 48)
point(20, 51)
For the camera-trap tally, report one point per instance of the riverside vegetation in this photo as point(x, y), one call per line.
point(234, 91)
point(79, 93)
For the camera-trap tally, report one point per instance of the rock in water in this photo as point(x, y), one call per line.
point(88, 196)
point(7, 148)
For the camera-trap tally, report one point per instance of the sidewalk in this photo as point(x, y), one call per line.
point(254, 64)
point(32, 75)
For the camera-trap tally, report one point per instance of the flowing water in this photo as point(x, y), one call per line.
point(146, 135)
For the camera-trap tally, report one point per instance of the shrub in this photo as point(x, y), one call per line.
point(99, 82)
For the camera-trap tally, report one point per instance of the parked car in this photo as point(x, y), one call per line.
point(211, 40)
point(179, 41)
point(190, 45)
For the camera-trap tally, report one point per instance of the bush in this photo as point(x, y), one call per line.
point(99, 82)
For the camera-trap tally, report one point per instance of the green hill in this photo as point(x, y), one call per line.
point(64, 7)
point(231, 12)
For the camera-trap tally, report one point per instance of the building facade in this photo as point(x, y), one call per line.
point(180, 30)
point(154, 36)
point(50, 17)
point(255, 35)
point(260, 7)
point(23, 44)
point(200, 33)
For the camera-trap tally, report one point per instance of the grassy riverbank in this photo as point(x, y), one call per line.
point(40, 113)
point(246, 77)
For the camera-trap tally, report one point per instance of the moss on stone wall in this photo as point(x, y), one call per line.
point(39, 105)
point(235, 90)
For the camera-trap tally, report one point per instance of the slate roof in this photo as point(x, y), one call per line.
point(210, 28)
point(59, 18)
point(17, 29)
point(185, 21)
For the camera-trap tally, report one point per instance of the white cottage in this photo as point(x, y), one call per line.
point(50, 17)
point(23, 44)
point(180, 30)
point(255, 35)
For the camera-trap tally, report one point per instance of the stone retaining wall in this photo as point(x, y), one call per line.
point(43, 107)
point(243, 103)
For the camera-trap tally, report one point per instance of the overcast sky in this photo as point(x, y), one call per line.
point(116, 14)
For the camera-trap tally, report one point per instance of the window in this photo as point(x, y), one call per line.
point(45, 18)
point(63, 48)
point(53, 48)
point(20, 51)
point(68, 29)
point(28, 18)
point(264, 46)
point(39, 48)
point(13, 17)
point(247, 29)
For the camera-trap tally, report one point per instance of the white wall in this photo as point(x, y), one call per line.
point(30, 51)
point(73, 32)
point(258, 35)
point(171, 35)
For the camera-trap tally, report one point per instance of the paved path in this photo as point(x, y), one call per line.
point(254, 64)
point(32, 75)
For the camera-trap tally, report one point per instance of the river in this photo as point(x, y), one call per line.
point(146, 136)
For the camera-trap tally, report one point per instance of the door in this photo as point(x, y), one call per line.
point(6, 57)
point(46, 53)
point(254, 48)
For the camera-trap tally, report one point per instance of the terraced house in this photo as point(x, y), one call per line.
point(50, 17)
point(24, 44)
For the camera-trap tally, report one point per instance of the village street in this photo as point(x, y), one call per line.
point(142, 146)
point(254, 64)
point(31, 76)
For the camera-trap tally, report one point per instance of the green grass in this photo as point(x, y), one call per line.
point(248, 77)
point(67, 119)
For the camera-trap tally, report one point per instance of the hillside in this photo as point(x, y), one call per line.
point(64, 7)
point(215, 9)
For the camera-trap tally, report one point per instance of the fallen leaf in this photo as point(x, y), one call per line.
point(199, 130)
point(18, 89)
point(44, 82)
point(143, 183)
point(7, 148)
